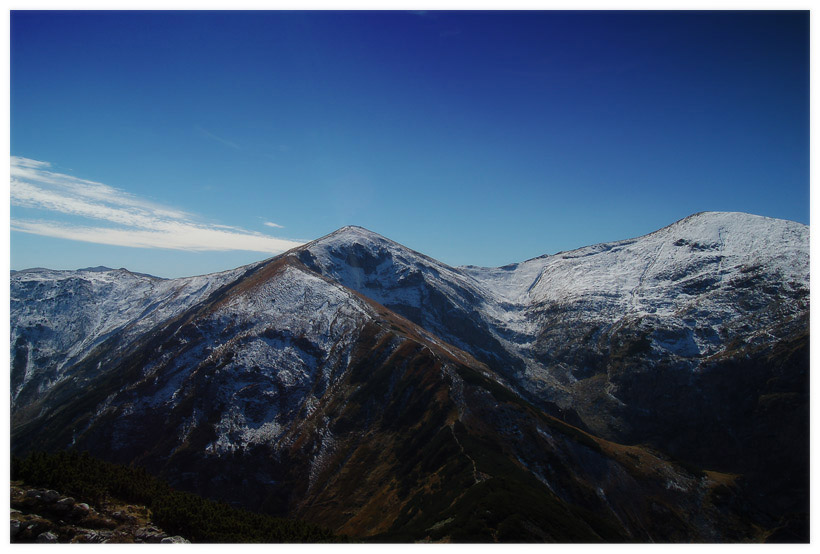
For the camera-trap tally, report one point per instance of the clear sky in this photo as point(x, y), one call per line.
point(180, 143)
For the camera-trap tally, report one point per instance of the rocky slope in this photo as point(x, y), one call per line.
point(359, 384)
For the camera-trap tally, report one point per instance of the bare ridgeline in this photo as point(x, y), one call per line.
point(652, 389)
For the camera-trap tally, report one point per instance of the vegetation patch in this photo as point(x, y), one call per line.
point(179, 513)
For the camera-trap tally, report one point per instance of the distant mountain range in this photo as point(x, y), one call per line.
point(651, 389)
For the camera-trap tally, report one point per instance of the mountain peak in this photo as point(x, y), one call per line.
point(355, 231)
point(352, 228)
point(737, 232)
point(97, 269)
point(347, 236)
point(731, 219)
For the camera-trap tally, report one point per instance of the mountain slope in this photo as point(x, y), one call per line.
point(439, 298)
point(355, 417)
point(649, 340)
point(711, 273)
point(59, 317)
point(358, 384)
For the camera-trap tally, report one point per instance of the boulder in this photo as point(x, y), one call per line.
point(92, 536)
point(123, 516)
point(64, 505)
point(47, 537)
point(81, 510)
point(149, 534)
point(16, 527)
point(176, 539)
point(37, 525)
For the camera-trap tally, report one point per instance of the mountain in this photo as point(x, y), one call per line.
point(649, 340)
point(653, 389)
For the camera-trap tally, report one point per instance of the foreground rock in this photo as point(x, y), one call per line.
point(46, 516)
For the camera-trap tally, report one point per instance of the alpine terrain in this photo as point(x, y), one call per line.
point(651, 389)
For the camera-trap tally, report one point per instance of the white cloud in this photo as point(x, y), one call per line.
point(17, 161)
point(275, 225)
point(119, 218)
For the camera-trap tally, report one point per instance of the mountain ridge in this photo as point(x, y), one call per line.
point(545, 376)
point(345, 229)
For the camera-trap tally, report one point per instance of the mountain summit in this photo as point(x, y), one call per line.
point(650, 389)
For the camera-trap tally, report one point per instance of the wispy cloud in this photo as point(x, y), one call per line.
point(119, 218)
point(274, 225)
point(217, 138)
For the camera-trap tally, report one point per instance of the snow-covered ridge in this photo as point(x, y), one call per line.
point(691, 274)
point(111, 299)
point(707, 242)
point(58, 316)
point(641, 273)
point(710, 272)
point(386, 271)
point(268, 351)
point(720, 243)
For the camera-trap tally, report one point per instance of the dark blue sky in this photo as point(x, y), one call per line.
point(474, 137)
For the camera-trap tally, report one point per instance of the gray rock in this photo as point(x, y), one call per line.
point(176, 539)
point(50, 496)
point(37, 525)
point(47, 537)
point(64, 505)
point(149, 534)
point(33, 493)
point(93, 537)
point(16, 527)
point(122, 516)
point(80, 510)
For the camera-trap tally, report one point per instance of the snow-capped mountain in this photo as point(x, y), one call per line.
point(699, 276)
point(345, 380)
point(685, 293)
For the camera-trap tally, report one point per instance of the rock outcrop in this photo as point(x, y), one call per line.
point(46, 516)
